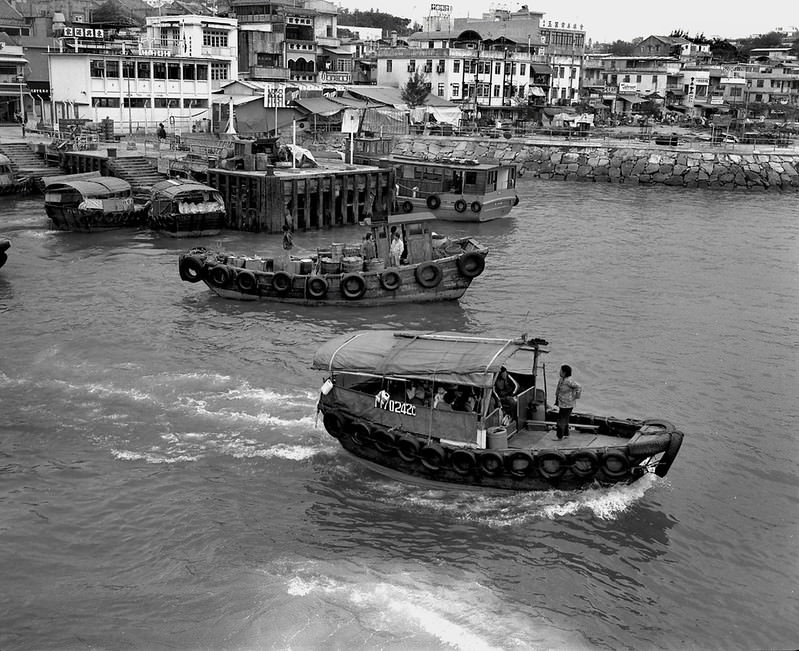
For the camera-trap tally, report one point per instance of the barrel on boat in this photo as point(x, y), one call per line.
point(497, 438)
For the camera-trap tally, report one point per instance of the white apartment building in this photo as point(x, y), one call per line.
point(167, 76)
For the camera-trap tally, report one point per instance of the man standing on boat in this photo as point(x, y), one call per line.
point(396, 250)
point(566, 396)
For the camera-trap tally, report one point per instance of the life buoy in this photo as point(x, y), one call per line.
point(433, 202)
point(359, 432)
point(390, 280)
point(476, 206)
point(246, 282)
point(519, 463)
point(428, 274)
point(490, 463)
point(383, 441)
point(460, 205)
point(191, 269)
point(615, 464)
point(282, 281)
point(584, 463)
point(551, 465)
point(407, 206)
point(217, 275)
point(433, 456)
point(317, 286)
point(471, 264)
point(516, 200)
point(463, 461)
point(408, 447)
point(353, 285)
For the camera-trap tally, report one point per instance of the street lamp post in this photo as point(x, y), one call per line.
point(127, 67)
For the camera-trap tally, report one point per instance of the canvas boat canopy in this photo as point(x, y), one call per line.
point(172, 188)
point(446, 357)
point(98, 187)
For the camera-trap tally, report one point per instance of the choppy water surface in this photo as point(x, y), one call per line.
point(164, 482)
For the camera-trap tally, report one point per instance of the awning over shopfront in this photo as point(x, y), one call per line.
point(632, 99)
point(319, 106)
point(540, 69)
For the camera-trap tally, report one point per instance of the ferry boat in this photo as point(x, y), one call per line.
point(185, 208)
point(91, 203)
point(422, 406)
point(454, 189)
point(435, 269)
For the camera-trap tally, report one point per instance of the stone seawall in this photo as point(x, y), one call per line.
point(633, 164)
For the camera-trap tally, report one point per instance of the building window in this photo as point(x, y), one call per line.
point(428, 66)
point(412, 65)
point(758, 97)
point(637, 78)
point(389, 65)
point(497, 68)
point(128, 69)
point(214, 38)
point(759, 83)
point(626, 79)
point(431, 44)
point(188, 71)
point(441, 90)
point(97, 68)
point(106, 102)
point(143, 70)
point(654, 80)
point(134, 102)
point(736, 91)
point(456, 66)
point(561, 72)
point(455, 89)
point(173, 70)
point(159, 70)
point(202, 72)
point(161, 102)
point(219, 71)
point(112, 69)
point(496, 90)
point(522, 69)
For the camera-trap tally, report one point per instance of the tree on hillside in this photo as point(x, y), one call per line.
point(621, 48)
point(415, 91)
point(372, 18)
point(723, 51)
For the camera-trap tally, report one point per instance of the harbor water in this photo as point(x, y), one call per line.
point(165, 482)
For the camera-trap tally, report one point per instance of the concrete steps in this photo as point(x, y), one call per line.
point(26, 162)
point(137, 171)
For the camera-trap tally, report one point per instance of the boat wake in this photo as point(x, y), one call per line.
point(400, 607)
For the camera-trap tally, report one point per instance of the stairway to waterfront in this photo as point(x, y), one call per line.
point(27, 163)
point(136, 170)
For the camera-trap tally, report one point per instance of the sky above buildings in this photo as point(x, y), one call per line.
point(610, 20)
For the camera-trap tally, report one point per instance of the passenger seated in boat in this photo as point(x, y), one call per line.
point(441, 401)
point(506, 388)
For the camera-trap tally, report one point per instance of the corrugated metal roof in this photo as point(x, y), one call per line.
point(319, 105)
point(95, 188)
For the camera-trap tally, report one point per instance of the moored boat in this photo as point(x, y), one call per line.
point(8, 180)
point(91, 204)
point(422, 405)
point(184, 208)
point(454, 189)
point(435, 269)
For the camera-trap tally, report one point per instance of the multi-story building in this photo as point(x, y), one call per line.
point(166, 75)
point(673, 46)
point(13, 64)
point(621, 82)
point(565, 52)
point(291, 41)
point(490, 65)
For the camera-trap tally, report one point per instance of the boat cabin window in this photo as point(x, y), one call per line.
point(474, 182)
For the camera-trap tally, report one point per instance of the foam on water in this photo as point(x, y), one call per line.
point(425, 608)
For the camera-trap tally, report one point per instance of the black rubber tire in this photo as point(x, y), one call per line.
point(471, 264)
point(317, 287)
point(460, 205)
point(428, 274)
point(282, 281)
point(247, 282)
point(390, 280)
point(353, 286)
point(551, 465)
point(191, 269)
point(433, 202)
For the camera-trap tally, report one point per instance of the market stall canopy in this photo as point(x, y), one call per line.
point(319, 106)
point(448, 357)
